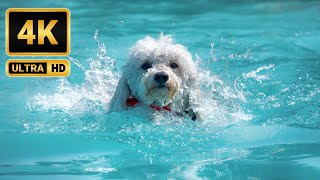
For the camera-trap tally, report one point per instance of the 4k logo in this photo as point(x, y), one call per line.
point(37, 31)
point(42, 32)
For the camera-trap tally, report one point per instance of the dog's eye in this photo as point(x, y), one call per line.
point(174, 66)
point(145, 66)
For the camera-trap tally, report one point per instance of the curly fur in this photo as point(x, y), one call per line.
point(181, 88)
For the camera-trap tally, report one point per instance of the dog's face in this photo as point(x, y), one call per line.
point(160, 81)
point(158, 71)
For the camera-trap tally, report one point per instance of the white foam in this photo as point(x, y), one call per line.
point(99, 84)
point(254, 74)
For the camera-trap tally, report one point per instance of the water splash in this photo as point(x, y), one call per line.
point(254, 74)
point(74, 105)
point(99, 84)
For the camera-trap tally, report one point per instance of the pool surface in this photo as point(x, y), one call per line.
point(259, 68)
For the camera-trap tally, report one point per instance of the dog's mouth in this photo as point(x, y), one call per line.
point(160, 93)
point(160, 86)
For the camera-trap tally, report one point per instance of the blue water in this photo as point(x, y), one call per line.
point(259, 67)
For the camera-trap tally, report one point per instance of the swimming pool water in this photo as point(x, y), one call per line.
point(259, 67)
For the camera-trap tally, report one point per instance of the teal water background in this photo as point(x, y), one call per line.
point(259, 64)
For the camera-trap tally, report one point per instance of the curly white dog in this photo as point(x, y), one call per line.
point(159, 74)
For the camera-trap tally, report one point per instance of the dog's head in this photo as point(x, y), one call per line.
point(158, 71)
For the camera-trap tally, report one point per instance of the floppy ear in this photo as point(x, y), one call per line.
point(119, 99)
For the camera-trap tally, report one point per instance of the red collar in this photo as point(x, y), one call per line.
point(131, 101)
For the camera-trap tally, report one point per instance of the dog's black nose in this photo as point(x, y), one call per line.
point(161, 77)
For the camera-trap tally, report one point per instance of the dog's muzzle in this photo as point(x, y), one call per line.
point(161, 78)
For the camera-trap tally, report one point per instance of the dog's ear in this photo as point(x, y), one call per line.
point(119, 99)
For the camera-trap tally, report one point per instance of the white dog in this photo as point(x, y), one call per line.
point(159, 74)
